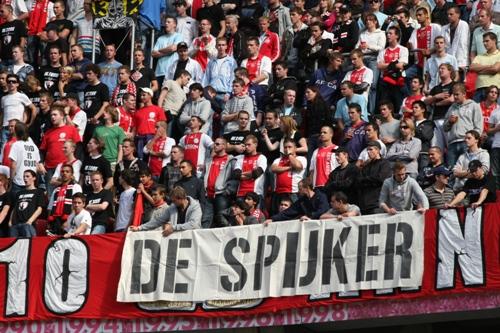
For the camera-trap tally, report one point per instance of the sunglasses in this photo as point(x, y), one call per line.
point(373, 1)
point(404, 127)
point(12, 81)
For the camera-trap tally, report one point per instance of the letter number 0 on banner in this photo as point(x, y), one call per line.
point(66, 272)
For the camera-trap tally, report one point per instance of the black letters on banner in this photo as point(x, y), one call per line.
point(235, 264)
point(334, 253)
point(150, 286)
point(172, 266)
point(403, 250)
point(272, 241)
point(312, 260)
point(292, 240)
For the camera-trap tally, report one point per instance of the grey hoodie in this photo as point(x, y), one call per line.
point(235, 105)
point(470, 117)
point(200, 108)
point(170, 214)
point(401, 196)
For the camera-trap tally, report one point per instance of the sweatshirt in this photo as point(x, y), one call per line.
point(401, 196)
point(470, 117)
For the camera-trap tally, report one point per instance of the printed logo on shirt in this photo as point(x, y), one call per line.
point(62, 136)
point(152, 115)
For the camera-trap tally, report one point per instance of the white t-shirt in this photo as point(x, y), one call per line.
point(77, 165)
point(493, 121)
point(13, 106)
point(80, 121)
point(74, 221)
point(125, 210)
point(27, 156)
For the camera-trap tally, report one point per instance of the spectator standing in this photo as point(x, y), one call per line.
point(125, 86)
point(269, 41)
point(165, 48)
point(487, 66)
point(343, 177)
point(184, 62)
point(83, 34)
point(456, 35)
point(323, 160)
point(129, 162)
point(424, 131)
point(187, 26)
point(109, 68)
point(171, 99)
point(236, 39)
point(371, 178)
point(145, 119)
point(215, 15)
point(197, 106)
point(462, 116)
point(249, 169)
point(354, 138)
point(239, 102)
point(24, 155)
point(158, 149)
point(143, 76)
point(171, 173)
point(202, 48)
point(196, 144)
point(485, 25)
point(431, 70)
point(372, 134)
point(27, 207)
point(343, 105)
point(406, 150)
point(12, 32)
point(69, 148)
point(389, 126)
point(18, 66)
point(401, 193)
point(95, 162)
point(126, 201)
point(112, 135)
point(95, 100)
point(99, 204)
point(60, 204)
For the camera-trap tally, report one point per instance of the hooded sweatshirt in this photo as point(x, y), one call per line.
point(235, 105)
point(470, 117)
point(200, 108)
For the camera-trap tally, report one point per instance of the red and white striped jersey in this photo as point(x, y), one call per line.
point(247, 163)
point(288, 181)
point(322, 164)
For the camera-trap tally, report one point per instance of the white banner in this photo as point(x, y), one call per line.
point(282, 259)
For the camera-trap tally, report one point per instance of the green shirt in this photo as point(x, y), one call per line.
point(112, 137)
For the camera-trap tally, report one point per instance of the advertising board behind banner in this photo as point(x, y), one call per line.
point(48, 278)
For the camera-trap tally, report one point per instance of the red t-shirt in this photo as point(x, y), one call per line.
point(486, 111)
point(423, 42)
point(249, 164)
point(218, 163)
point(6, 151)
point(146, 118)
point(156, 162)
point(53, 141)
point(324, 164)
point(357, 75)
point(126, 120)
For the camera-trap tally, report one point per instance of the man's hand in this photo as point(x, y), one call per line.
point(267, 222)
point(421, 210)
point(134, 228)
point(167, 230)
point(474, 205)
point(453, 119)
point(392, 211)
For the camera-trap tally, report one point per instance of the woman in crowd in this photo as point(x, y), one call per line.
point(325, 9)
point(288, 126)
point(63, 85)
point(488, 106)
point(317, 113)
point(407, 148)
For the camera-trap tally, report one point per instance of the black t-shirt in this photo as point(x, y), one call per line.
point(6, 199)
point(181, 65)
point(26, 203)
point(90, 165)
point(214, 14)
point(10, 35)
point(440, 111)
point(473, 188)
point(60, 43)
point(143, 77)
point(236, 137)
point(63, 24)
point(49, 77)
point(101, 218)
point(119, 96)
point(94, 97)
point(41, 125)
point(274, 135)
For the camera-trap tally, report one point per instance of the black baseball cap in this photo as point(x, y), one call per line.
point(441, 170)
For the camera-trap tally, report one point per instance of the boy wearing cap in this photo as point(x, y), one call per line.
point(478, 189)
point(184, 62)
point(440, 193)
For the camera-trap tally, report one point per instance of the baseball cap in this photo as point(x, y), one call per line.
point(345, 9)
point(374, 144)
point(182, 45)
point(148, 91)
point(442, 170)
point(474, 165)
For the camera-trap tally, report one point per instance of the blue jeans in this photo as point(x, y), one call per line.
point(214, 209)
point(371, 63)
point(99, 229)
point(454, 151)
point(140, 142)
point(22, 230)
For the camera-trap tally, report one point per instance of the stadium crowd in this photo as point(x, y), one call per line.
point(245, 112)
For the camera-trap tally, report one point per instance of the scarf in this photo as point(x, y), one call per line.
point(38, 17)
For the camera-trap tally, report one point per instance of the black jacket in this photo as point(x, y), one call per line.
point(343, 180)
point(313, 208)
point(370, 181)
point(425, 132)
